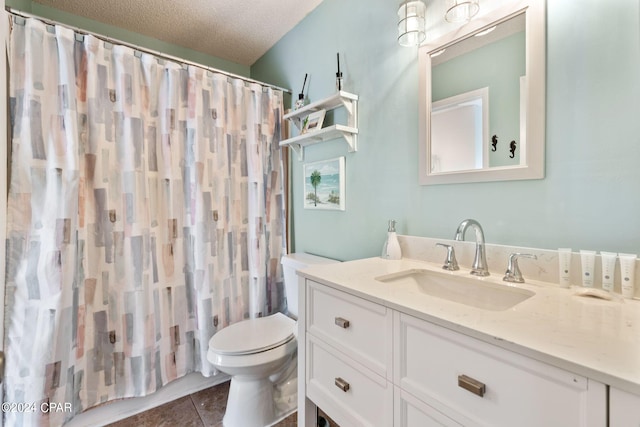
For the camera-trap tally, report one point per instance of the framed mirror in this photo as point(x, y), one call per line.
point(482, 98)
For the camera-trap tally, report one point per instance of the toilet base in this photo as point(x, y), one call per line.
point(250, 403)
point(262, 402)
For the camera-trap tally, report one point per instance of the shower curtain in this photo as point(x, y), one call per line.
point(145, 213)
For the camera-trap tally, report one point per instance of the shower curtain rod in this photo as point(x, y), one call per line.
point(143, 49)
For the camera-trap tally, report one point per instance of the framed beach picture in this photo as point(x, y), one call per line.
point(324, 185)
point(313, 121)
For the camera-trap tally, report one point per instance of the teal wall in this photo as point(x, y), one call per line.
point(590, 197)
point(127, 36)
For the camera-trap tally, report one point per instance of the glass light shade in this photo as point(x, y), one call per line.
point(411, 23)
point(461, 10)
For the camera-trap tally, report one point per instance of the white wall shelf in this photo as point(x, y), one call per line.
point(349, 131)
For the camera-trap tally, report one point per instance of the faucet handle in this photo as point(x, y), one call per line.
point(450, 263)
point(513, 273)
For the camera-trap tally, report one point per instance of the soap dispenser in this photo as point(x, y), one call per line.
point(391, 248)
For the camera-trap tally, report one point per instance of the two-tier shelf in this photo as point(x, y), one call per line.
point(349, 131)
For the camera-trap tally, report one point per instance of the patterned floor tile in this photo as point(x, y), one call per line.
point(180, 412)
point(201, 409)
point(210, 404)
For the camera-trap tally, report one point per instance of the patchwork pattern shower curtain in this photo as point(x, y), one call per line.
point(145, 213)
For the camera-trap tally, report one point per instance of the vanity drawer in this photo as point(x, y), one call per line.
point(348, 392)
point(359, 328)
point(477, 383)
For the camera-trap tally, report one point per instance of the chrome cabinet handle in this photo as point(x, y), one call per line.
point(342, 384)
point(343, 323)
point(469, 384)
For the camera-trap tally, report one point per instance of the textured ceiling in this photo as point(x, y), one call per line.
point(236, 30)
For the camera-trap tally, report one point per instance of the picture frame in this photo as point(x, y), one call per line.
point(313, 122)
point(324, 185)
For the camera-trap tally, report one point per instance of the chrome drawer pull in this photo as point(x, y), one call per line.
point(342, 384)
point(343, 323)
point(469, 384)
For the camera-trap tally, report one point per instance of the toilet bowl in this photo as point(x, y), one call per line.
point(253, 351)
point(260, 356)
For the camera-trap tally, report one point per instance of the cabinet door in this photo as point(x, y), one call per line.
point(411, 412)
point(477, 383)
point(624, 408)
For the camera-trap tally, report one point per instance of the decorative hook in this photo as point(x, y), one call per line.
point(512, 148)
point(494, 142)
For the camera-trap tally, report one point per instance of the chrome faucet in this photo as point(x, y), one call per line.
point(450, 263)
point(479, 267)
point(513, 273)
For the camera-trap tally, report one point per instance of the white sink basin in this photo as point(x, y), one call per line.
point(464, 290)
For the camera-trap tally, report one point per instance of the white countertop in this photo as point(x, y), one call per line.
point(595, 338)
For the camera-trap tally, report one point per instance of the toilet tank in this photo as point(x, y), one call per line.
point(290, 265)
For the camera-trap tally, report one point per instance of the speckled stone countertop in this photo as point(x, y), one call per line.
point(595, 338)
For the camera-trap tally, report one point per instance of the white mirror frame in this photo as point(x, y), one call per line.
point(532, 156)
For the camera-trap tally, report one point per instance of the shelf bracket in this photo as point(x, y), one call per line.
point(299, 150)
point(348, 105)
point(351, 140)
point(297, 121)
point(352, 109)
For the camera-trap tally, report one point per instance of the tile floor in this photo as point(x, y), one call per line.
point(202, 409)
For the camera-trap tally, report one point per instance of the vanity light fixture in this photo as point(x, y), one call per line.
point(461, 10)
point(411, 23)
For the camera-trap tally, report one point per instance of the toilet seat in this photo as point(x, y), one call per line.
point(253, 335)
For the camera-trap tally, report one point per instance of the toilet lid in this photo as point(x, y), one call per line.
point(254, 335)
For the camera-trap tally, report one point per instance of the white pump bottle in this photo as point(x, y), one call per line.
point(391, 248)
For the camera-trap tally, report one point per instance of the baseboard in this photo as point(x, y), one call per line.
point(119, 410)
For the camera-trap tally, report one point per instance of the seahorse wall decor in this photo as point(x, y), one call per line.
point(512, 149)
point(494, 142)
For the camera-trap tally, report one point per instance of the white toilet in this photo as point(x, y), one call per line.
point(260, 356)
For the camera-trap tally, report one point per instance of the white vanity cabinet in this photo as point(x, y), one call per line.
point(369, 365)
point(624, 408)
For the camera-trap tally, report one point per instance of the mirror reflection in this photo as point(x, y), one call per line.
point(459, 126)
point(478, 94)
